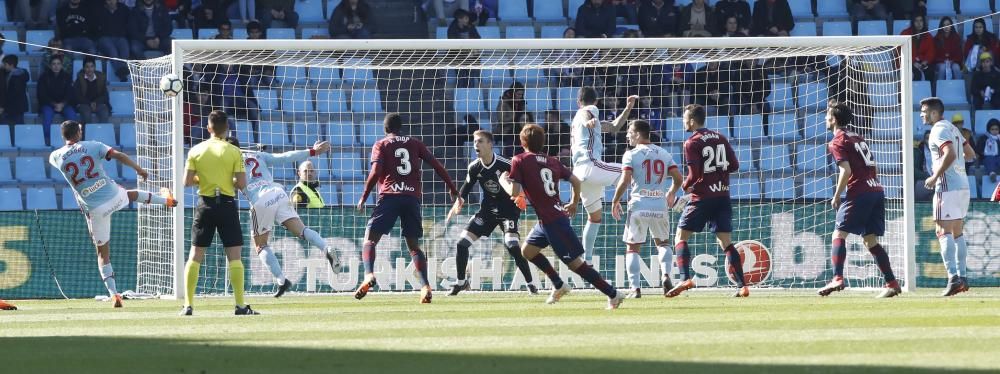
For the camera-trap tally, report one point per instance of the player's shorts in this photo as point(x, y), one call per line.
point(639, 222)
point(863, 215)
point(99, 218)
point(272, 207)
point(482, 224)
point(717, 212)
point(216, 214)
point(390, 207)
point(560, 236)
point(951, 205)
point(595, 176)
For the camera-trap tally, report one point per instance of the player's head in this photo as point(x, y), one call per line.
point(838, 114)
point(218, 123)
point(586, 96)
point(931, 110)
point(71, 131)
point(306, 172)
point(532, 138)
point(638, 132)
point(392, 123)
point(693, 118)
point(483, 141)
point(9, 62)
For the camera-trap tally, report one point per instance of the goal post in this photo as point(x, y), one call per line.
point(767, 94)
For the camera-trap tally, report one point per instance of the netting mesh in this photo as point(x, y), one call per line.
point(770, 102)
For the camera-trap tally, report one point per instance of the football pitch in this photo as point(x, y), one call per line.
point(511, 333)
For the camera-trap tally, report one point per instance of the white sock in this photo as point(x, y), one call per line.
point(267, 257)
point(108, 275)
point(589, 238)
point(963, 252)
point(144, 197)
point(632, 264)
point(948, 249)
point(314, 238)
point(666, 257)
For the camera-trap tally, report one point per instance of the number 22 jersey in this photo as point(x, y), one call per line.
point(82, 164)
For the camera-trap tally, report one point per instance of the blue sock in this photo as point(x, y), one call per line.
point(962, 253)
point(632, 264)
point(267, 257)
point(948, 249)
point(589, 238)
point(314, 238)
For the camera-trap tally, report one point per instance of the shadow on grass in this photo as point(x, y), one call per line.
point(150, 355)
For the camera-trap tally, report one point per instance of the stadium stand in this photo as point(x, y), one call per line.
point(41, 198)
point(10, 199)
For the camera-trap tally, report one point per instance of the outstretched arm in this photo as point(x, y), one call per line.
point(124, 159)
point(319, 148)
point(623, 117)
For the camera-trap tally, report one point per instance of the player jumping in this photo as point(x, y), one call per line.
point(587, 149)
point(647, 204)
point(270, 205)
point(951, 191)
point(539, 176)
point(396, 162)
point(863, 211)
point(496, 208)
point(82, 164)
point(710, 158)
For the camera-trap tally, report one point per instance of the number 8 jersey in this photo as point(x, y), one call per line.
point(82, 164)
point(851, 147)
point(539, 176)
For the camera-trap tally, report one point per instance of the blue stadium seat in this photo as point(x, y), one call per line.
point(267, 100)
point(748, 127)
point(774, 157)
point(872, 28)
point(783, 127)
point(779, 188)
point(126, 135)
point(346, 166)
point(55, 136)
point(281, 33)
point(513, 11)
point(893, 185)
point(10, 199)
point(182, 34)
point(310, 33)
point(826, 9)
point(812, 96)
point(940, 8)
point(836, 28)
point(744, 188)
point(297, 100)
point(812, 157)
point(885, 95)
point(548, 11)
point(359, 77)
point(244, 132)
point(952, 92)
point(311, 11)
point(291, 75)
point(520, 32)
point(468, 100)
point(330, 195)
point(10, 48)
point(497, 77)
point(324, 77)
point(554, 32)
point(718, 123)
point(30, 169)
point(101, 132)
point(800, 9)
point(6, 175)
point(38, 38)
point(122, 102)
point(331, 101)
point(974, 187)
point(804, 28)
point(921, 89)
point(566, 99)
point(366, 102)
point(675, 130)
point(975, 7)
point(983, 117)
point(341, 134)
point(274, 134)
point(370, 132)
point(6, 143)
point(41, 198)
point(489, 32)
point(537, 100)
point(441, 32)
point(29, 138)
point(781, 96)
point(69, 199)
point(352, 193)
point(530, 77)
point(305, 134)
point(887, 156)
point(322, 166)
point(743, 153)
point(885, 125)
point(986, 187)
point(55, 174)
point(817, 188)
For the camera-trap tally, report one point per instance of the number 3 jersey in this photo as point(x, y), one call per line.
point(650, 166)
point(710, 159)
point(258, 166)
point(851, 147)
point(401, 158)
point(82, 164)
point(539, 176)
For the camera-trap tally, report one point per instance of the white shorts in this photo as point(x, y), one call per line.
point(595, 177)
point(640, 221)
point(273, 207)
point(951, 205)
point(99, 218)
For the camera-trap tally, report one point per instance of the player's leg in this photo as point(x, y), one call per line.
point(99, 223)
point(262, 219)
point(512, 241)
point(411, 225)
point(724, 239)
point(478, 226)
point(962, 254)
point(597, 177)
point(531, 250)
point(692, 220)
point(567, 246)
point(381, 222)
point(838, 256)
point(665, 256)
point(164, 198)
point(874, 228)
point(108, 273)
point(294, 224)
point(634, 237)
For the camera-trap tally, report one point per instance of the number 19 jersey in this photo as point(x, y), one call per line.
point(82, 164)
point(650, 167)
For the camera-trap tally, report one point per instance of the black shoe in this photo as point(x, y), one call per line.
point(965, 284)
point(283, 288)
point(667, 285)
point(246, 311)
point(187, 311)
point(333, 260)
point(953, 288)
point(456, 288)
point(532, 289)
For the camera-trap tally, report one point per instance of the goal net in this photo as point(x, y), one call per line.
point(768, 95)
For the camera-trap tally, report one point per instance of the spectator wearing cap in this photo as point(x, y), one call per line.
point(948, 51)
point(595, 19)
point(985, 83)
point(923, 49)
point(989, 149)
point(112, 35)
point(959, 121)
point(91, 90)
point(277, 10)
point(772, 18)
point(75, 25)
point(658, 18)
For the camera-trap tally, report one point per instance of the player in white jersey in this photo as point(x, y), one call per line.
point(587, 150)
point(648, 202)
point(270, 204)
point(82, 164)
point(951, 190)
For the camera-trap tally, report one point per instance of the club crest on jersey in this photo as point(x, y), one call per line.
point(718, 187)
point(401, 186)
point(491, 186)
point(756, 260)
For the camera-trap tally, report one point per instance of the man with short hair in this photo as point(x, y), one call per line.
point(91, 90)
point(216, 167)
point(55, 95)
point(149, 28)
point(305, 194)
point(13, 92)
point(75, 25)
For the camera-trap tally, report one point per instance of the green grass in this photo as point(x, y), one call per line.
point(483, 333)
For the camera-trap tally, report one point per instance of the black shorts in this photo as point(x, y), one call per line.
point(389, 208)
point(717, 212)
point(216, 215)
point(483, 223)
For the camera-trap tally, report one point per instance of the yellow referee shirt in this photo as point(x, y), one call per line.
point(216, 162)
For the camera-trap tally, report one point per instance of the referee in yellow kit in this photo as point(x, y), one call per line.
point(216, 167)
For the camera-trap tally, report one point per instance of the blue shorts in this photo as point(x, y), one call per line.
point(560, 236)
point(717, 212)
point(863, 215)
point(390, 207)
